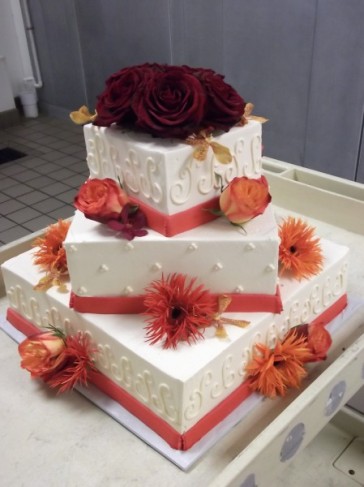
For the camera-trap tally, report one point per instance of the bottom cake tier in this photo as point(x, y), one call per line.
point(181, 394)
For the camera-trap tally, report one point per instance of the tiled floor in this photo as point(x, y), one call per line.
point(38, 189)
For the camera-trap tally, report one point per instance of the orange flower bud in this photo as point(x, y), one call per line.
point(41, 353)
point(245, 199)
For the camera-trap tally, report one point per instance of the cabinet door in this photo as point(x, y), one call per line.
point(335, 110)
point(360, 167)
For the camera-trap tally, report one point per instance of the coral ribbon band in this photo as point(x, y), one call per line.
point(248, 303)
point(175, 439)
point(170, 225)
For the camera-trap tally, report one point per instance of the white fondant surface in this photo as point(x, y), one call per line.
point(180, 386)
point(224, 258)
point(162, 172)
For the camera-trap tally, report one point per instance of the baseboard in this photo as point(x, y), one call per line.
point(9, 118)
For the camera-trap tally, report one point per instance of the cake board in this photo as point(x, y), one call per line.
point(187, 459)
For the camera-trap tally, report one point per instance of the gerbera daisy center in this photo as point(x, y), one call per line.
point(176, 314)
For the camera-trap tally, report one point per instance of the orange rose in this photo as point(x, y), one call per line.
point(41, 353)
point(245, 199)
point(101, 199)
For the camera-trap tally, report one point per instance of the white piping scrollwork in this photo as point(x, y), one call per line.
point(327, 295)
point(340, 280)
point(168, 404)
point(180, 191)
point(209, 182)
point(138, 181)
point(256, 152)
point(96, 156)
point(131, 174)
point(246, 358)
point(228, 373)
point(272, 335)
point(161, 401)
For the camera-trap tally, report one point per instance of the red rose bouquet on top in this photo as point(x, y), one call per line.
point(169, 101)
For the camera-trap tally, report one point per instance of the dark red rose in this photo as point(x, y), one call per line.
point(114, 105)
point(224, 106)
point(171, 104)
point(169, 101)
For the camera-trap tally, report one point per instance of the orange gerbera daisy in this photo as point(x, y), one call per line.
point(272, 372)
point(177, 310)
point(300, 252)
point(51, 255)
point(76, 364)
point(60, 361)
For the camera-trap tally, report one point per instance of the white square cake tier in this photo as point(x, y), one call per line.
point(223, 257)
point(162, 173)
point(178, 386)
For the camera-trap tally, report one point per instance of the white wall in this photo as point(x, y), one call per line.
point(13, 44)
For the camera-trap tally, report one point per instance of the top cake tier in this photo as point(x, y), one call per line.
point(162, 175)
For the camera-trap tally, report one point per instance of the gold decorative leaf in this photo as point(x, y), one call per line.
point(249, 107)
point(219, 320)
point(220, 332)
point(259, 119)
point(62, 287)
point(82, 116)
point(231, 321)
point(200, 152)
point(248, 115)
point(222, 153)
point(44, 283)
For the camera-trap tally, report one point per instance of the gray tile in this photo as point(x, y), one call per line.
point(23, 132)
point(63, 174)
point(48, 168)
point(80, 167)
point(13, 234)
point(63, 212)
point(39, 223)
point(31, 145)
point(67, 161)
point(52, 155)
point(17, 190)
point(76, 139)
point(75, 181)
point(59, 144)
point(71, 149)
point(67, 196)
point(26, 175)
point(48, 205)
point(41, 182)
point(4, 197)
point(32, 163)
point(6, 182)
point(55, 189)
point(5, 223)
point(23, 215)
point(49, 130)
point(11, 168)
point(37, 135)
point(43, 149)
point(33, 197)
point(10, 206)
point(47, 140)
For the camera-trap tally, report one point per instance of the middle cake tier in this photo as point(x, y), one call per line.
point(110, 275)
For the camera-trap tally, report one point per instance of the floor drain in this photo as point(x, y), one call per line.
point(8, 154)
